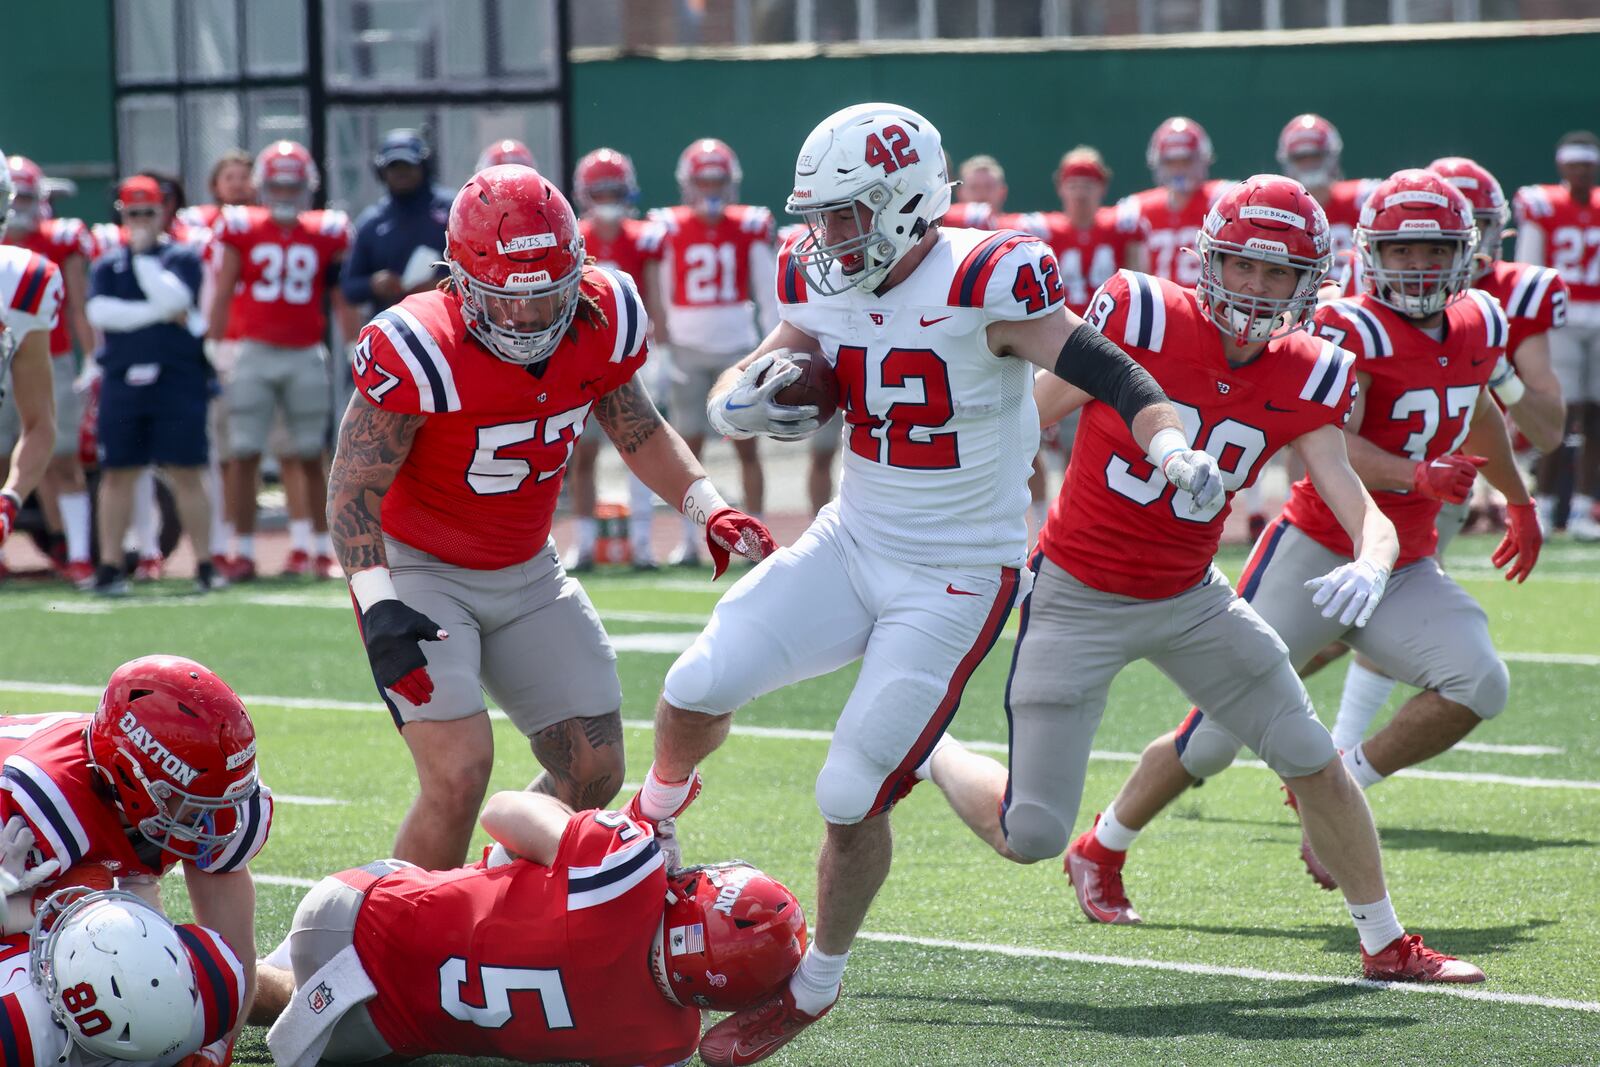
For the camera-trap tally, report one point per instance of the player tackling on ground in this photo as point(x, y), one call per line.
point(934, 335)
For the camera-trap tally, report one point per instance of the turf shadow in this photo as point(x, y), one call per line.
point(1340, 938)
point(1417, 838)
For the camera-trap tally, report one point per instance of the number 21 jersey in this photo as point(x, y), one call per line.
point(940, 433)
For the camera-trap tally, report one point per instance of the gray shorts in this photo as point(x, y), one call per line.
point(325, 925)
point(694, 372)
point(69, 411)
point(1074, 640)
point(1427, 632)
point(1575, 357)
point(267, 379)
point(526, 633)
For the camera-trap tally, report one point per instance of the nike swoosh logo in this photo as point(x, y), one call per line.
point(953, 591)
point(1273, 407)
point(929, 322)
point(1353, 915)
point(1480, 362)
point(731, 406)
point(591, 381)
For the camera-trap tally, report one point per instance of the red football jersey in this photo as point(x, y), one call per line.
point(1169, 231)
point(1533, 298)
point(529, 962)
point(1117, 525)
point(1343, 208)
point(972, 215)
point(45, 777)
point(1419, 403)
point(1556, 230)
point(710, 261)
point(283, 273)
point(58, 240)
point(479, 488)
point(635, 244)
point(1088, 258)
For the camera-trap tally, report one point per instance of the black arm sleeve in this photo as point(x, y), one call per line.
point(1097, 366)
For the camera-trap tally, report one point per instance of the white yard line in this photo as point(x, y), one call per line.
point(791, 734)
point(310, 802)
point(284, 879)
point(1252, 974)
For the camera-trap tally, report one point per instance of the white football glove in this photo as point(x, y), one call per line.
point(16, 841)
point(748, 410)
point(1350, 591)
point(667, 838)
point(1196, 473)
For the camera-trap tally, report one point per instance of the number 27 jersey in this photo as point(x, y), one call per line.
point(940, 433)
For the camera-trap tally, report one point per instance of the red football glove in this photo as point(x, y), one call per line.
point(729, 531)
point(1520, 547)
point(9, 504)
point(1448, 478)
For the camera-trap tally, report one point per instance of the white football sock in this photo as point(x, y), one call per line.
point(1355, 761)
point(641, 516)
point(300, 535)
point(323, 542)
point(815, 984)
point(247, 547)
point(221, 528)
point(1112, 834)
point(1376, 923)
point(924, 770)
point(1365, 693)
point(588, 534)
point(658, 799)
point(75, 522)
point(145, 529)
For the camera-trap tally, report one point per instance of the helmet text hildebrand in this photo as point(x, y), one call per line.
point(152, 747)
point(1414, 196)
point(526, 243)
point(1274, 214)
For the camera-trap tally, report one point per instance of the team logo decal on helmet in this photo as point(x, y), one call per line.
point(730, 936)
point(1413, 206)
point(1272, 219)
point(885, 164)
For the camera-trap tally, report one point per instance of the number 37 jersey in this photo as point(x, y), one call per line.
point(940, 433)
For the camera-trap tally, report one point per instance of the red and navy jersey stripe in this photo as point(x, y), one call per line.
point(16, 1043)
point(791, 279)
point(971, 279)
point(218, 976)
point(30, 289)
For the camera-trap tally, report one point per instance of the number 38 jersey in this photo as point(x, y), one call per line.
point(940, 433)
point(283, 271)
point(529, 962)
point(1419, 403)
point(1117, 525)
point(479, 486)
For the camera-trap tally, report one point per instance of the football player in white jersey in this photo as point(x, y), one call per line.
point(30, 299)
point(934, 335)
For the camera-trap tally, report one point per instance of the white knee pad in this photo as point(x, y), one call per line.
point(847, 785)
point(1034, 832)
point(691, 683)
point(1208, 751)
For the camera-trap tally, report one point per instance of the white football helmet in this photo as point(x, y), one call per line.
point(114, 973)
point(881, 159)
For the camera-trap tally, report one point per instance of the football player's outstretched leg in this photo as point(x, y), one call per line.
point(468, 401)
point(1126, 573)
point(914, 569)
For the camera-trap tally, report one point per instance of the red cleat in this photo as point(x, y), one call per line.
point(1096, 875)
point(1407, 959)
point(326, 568)
point(298, 565)
point(80, 573)
point(240, 570)
point(758, 1031)
point(150, 569)
point(1319, 874)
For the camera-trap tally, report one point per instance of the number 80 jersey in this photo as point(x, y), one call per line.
point(940, 433)
point(1117, 526)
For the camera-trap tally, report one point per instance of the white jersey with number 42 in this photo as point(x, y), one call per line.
point(940, 433)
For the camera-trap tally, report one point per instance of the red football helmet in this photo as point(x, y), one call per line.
point(516, 259)
point(731, 936)
point(27, 191)
point(1272, 219)
point(1416, 205)
point(607, 174)
point(502, 152)
point(1179, 154)
point(178, 750)
point(709, 175)
point(1308, 150)
point(286, 178)
point(1489, 208)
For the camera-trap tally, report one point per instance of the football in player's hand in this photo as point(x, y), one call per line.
point(817, 385)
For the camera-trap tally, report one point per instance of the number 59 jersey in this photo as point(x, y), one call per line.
point(1117, 525)
point(940, 433)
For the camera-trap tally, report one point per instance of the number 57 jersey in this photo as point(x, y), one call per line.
point(940, 433)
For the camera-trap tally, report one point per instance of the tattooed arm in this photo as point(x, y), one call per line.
point(651, 449)
point(372, 445)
